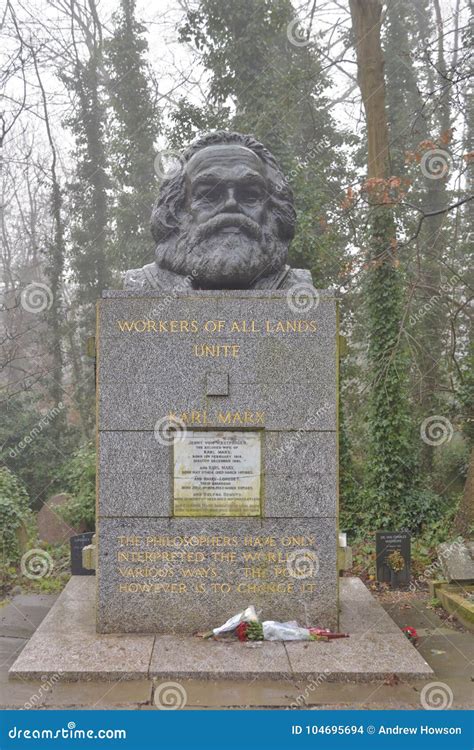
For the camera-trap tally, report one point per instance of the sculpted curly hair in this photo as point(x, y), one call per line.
point(165, 218)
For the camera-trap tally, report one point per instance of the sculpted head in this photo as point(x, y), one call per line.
point(226, 218)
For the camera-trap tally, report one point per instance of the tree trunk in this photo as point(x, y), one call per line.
point(390, 458)
point(366, 16)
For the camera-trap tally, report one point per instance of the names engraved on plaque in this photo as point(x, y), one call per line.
point(217, 474)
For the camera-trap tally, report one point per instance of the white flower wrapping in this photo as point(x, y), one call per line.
point(248, 615)
point(272, 630)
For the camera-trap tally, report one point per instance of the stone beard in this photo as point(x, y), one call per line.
point(216, 257)
point(222, 222)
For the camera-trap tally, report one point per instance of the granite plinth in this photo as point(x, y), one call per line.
point(238, 363)
point(375, 650)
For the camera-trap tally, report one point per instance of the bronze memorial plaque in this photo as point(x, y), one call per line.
point(217, 473)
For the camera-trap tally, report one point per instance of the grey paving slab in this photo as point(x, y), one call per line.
point(86, 657)
point(362, 657)
point(181, 657)
point(74, 609)
point(120, 693)
point(21, 615)
point(450, 655)
point(66, 645)
point(19, 695)
point(360, 612)
point(212, 693)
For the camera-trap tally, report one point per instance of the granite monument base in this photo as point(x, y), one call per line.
point(217, 459)
point(66, 646)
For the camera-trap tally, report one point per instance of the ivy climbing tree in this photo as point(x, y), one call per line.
point(391, 460)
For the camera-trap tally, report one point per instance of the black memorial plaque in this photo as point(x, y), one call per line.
point(393, 556)
point(78, 542)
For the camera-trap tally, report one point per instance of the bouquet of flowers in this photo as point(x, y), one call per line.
point(246, 627)
point(411, 634)
point(249, 631)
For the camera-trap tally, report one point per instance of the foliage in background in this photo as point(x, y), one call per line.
point(135, 126)
point(391, 465)
point(29, 445)
point(77, 477)
point(14, 515)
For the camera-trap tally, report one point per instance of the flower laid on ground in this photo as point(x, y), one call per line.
point(249, 631)
point(247, 628)
point(411, 634)
point(248, 615)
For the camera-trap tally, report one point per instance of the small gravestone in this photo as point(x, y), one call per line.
point(52, 528)
point(457, 560)
point(78, 542)
point(393, 556)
